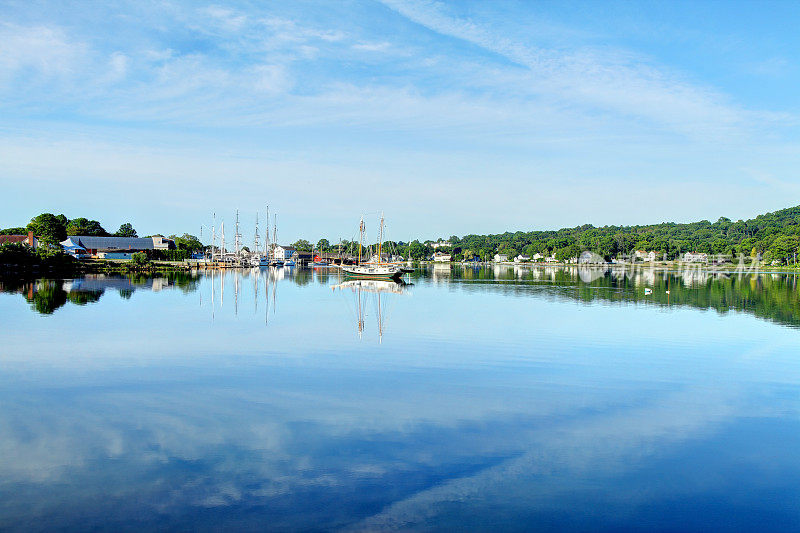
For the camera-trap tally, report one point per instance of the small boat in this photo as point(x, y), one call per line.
point(377, 268)
point(648, 291)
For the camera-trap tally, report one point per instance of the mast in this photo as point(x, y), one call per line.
point(266, 240)
point(213, 236)
point(360, 239)
point(237, 236)
point(274, 233)
point(223, 240)
point(380, 240)
point(255, 238)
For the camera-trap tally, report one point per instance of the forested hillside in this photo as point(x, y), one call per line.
point(775, 235)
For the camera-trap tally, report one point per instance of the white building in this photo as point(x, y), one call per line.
point(551, 259)
point(282, 253)
point(521, 258)
point(441, 257)
point(500, 258)
point(591, 258)
point(440, 244)
point(694, 257)
point(537, 257)
point(647, 257)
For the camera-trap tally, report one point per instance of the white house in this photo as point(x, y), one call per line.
point(537, 257)
point(521, 258)
point(694, 257)
point(500, 258)
point(551, 259)
point(282, 253)
point(590, 258)
point(647, 257)
point(440, 244)
point(441, 257)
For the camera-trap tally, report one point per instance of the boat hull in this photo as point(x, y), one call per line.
point(372, 272)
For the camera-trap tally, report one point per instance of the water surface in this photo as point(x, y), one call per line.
point(508, 398)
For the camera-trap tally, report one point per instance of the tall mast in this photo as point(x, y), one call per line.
point(266, 241)
point(255, 237)
point(237, 235)
point(275, 232)
point(380, 239)
point(222, 227)
point(360, 238)
point(213, 236)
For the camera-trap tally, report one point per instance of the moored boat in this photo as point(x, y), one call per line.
point(377, 268)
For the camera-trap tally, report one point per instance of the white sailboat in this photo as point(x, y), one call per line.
point(376, 268)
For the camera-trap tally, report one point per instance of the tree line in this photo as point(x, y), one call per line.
point(52, 229)
point(771, 237)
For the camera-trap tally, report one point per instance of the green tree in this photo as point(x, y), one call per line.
point(13, 231)
point(323, 245)
point(302, 246)
point(84, 226)
point(48, 228)
point(126, 230)
point(187, 242)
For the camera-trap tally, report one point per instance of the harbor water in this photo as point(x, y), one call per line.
point(507, 398)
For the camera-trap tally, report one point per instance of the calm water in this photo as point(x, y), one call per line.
point(505, 399)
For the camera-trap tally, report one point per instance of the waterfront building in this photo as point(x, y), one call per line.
point(694, 257)
point(29, 240)
point(94, 245)
point(282, 253)
point(500, 258)
point(522, 258)
point(441, 257)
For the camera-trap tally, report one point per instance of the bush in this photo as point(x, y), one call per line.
point(24, 256)
point(170, 255)
point(139, 258)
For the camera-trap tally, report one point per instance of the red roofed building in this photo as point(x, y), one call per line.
point(28, 239)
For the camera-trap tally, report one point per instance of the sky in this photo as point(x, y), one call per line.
point(450, 117)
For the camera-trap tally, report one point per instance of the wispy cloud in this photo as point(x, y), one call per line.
point(37, 51)
point(609, 78)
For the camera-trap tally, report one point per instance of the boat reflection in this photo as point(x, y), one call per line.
point(365, 289)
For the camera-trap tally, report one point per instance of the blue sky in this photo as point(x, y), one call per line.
point(453, 118)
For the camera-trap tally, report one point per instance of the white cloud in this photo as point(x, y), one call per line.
point(612, 79)
point(372, 46)
point(43, 50)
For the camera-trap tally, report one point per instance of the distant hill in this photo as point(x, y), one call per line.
point(775, 235)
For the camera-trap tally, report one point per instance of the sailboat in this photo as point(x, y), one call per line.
point(263, 260)
point(275, 261)
point(376, 268)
